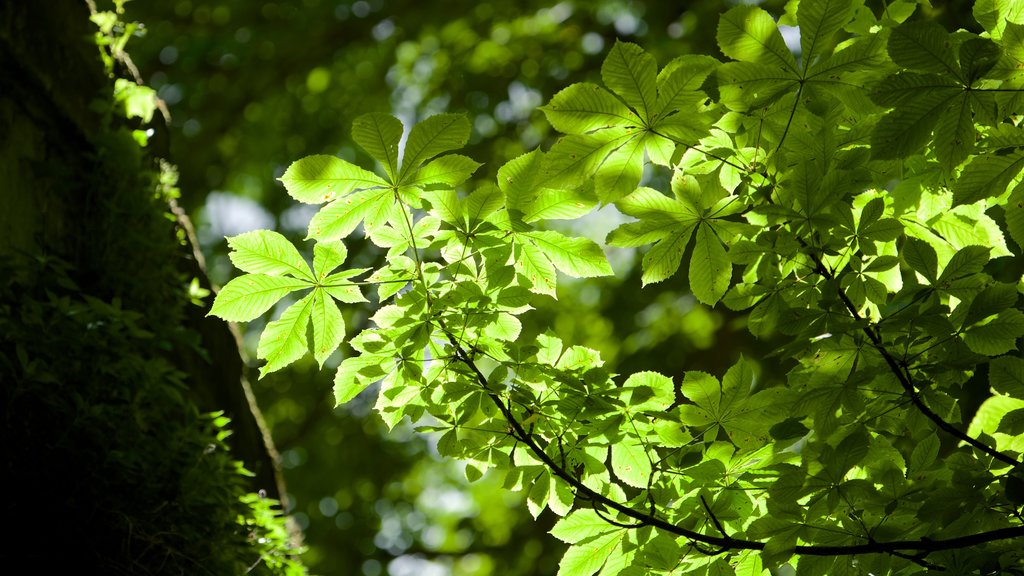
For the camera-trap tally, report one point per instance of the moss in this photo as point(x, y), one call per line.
point(109, 463)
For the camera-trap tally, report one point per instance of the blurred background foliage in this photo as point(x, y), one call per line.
point(252, 86)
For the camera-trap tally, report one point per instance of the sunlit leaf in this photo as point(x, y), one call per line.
point(318, 179)
point(249, 296)
point(284, 340)
point(267, 252)
point(379, 134)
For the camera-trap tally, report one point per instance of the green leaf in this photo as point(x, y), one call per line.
point(449, 170)
point(819, 21)
point(327, 256)
point(630, 463)
point(355, 374)
point(576, 157)
point(923, 45)
point(905, 130)
point(339, 218)
point(987, 177)
point(924, 453)
point(284, 340)
point(534, 265)
point(621, 171)
point(1006, 376)
point(379, 135)
point(955, 133)
point(588, 556)
point(249, 296)
point(585, 107)
point(328, 326)
point(581, 525)
point(994, 15)
point(1015, 215)
point(662, 260)
point(519, 180)
point(341, 288)
point(321, 178)
point(267, 252)
point(579, 257)
point(483, 202)
point(749, 34)
point(435, 135)
point(560, 205)
point(977, 57)
point(998, 335)
point(967, 261)
point(906, 86)
point(991, 412)
point(632, 74)
point(679, 83)
point(748, 85)
point(710, 267)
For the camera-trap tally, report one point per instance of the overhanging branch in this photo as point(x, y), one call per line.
point(724, 543)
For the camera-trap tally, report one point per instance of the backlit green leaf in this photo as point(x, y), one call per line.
point(987, 177)
point(319, 179)
point(328, 326)
point(249, 296)
point(632, 74)
point(339, 218)
point(284, 340)
point(379, 134)
point(435, 135)
point(923, 45)
point(577, 257)
point(710, 267)
point(749, 34)
point(449, 170)
point(631, 464)
point(267, 252)
point(586, 107)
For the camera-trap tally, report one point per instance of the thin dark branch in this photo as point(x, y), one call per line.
point(725, 543)
point(597, 510)
point(902, 375)
point(714, 519)
point(919, 560)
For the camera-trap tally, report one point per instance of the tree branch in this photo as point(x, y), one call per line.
point(902, 375)
point(724, 542)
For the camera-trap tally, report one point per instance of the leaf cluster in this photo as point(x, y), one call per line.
point(853, 201)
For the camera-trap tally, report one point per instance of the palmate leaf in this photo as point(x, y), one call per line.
point(609, 133)
point(745, 418)
point(449, 171)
